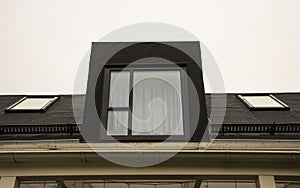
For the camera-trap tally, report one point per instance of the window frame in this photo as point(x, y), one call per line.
point(284, 106)
point(143, 67)
point(11, 109)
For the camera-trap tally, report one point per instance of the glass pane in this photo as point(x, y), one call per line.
point(32, 103)
point(157, 103)
point(119, 89)
point(288, 184)
point(106, 185)
point(37, 184)
point(228, 184)
point(117, 123)
point(131, 184)
point(262, 101)
point(111, 184)
point(162, 185)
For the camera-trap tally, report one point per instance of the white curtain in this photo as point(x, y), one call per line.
point(157, 103)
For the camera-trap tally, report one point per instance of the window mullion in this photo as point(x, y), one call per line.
point(118, 108)
point(130, 103)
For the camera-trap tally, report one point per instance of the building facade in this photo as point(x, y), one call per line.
point(106, 138)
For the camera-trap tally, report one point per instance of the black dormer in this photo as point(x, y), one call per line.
point(145, 91)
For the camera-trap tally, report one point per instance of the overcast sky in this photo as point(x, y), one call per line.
point(254, 42)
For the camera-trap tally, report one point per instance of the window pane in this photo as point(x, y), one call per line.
point(32, 103)
point(130, 184)
point(157, 103)
point(119, 89)
point(291, 184)
point(227, 184)
point(38, 184)
point(262, 101)
point(117, 123)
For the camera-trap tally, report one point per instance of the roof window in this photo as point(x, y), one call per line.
point(262, 102)
point(32, 104)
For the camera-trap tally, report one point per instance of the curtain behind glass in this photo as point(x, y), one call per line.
point(157, 103)
point(117, 119)
point(119, 89)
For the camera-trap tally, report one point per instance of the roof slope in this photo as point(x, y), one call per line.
point(239, 122)
point(57, 122)
point(238, 113)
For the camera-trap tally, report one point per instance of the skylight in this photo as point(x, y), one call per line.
point(32, 104)
point(263, 102)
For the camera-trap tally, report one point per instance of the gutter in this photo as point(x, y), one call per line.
point(219, 151)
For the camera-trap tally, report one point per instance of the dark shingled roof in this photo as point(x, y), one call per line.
point(238, 113)
point(239, 122)
point(57, 122)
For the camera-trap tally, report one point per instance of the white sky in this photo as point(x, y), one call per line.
point(255, 42)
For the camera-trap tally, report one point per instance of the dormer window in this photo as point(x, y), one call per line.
point(153, 107)
point(147, 91)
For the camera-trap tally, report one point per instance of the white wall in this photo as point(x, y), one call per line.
point(255, 42)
